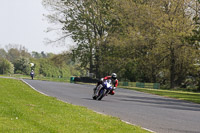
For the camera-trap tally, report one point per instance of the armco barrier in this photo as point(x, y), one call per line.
point(72, 79)
point(83, 79)
point(131, 84)
point(156, 85)
point(141, 85)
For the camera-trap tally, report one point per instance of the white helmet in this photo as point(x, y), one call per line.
point(114, 76)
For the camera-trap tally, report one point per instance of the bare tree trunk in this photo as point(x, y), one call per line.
point(172, 69)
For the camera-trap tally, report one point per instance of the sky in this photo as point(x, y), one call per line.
point(22, 22)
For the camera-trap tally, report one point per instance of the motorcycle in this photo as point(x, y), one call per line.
point(102, 90)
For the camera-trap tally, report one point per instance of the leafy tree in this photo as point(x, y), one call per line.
point(13, 54)
point(141, 40)
point(24, 52)
point(88, 23)
point(36, 55)
point(194, 40)
point(154, 32)
point(176, 27)
point(3, 53)
point(22, 65)
point(6, 67)
point(43, 54)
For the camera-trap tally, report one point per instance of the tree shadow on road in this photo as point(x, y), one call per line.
point(162, 102)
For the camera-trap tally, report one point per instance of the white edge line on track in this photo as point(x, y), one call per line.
point(90, 109)
point(34, 88)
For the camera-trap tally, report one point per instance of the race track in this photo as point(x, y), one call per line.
point(159, 114)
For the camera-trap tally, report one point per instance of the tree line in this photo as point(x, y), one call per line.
point(17, 60)
point(140, 40)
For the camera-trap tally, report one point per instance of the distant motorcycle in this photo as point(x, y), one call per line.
point(102, 90)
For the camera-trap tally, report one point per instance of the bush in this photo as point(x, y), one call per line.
point(6, 67)
point(22, 66)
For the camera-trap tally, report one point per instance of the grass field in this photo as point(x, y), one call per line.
point(25, 110)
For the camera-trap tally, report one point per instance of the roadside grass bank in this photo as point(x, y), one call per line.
point(24, 110)
point(182, 95)
point(56, 79)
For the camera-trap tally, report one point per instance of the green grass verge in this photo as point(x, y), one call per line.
point(25, 110)
point(39, 78)
point(182, 95)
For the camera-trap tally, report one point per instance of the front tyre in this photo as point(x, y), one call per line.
point(94, 97)
point(101, 94)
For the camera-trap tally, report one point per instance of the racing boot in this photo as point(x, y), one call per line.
point(112, 92)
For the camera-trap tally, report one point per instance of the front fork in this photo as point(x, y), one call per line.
point(107, 91)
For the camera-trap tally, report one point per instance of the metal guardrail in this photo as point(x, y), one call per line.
point(131, 84)
point(141, 85)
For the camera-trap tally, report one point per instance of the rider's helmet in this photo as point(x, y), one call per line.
point(114, 76)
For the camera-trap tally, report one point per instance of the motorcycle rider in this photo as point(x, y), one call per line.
point(114, 80)
point(32, 74)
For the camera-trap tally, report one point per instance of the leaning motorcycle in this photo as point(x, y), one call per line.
point(102, 90)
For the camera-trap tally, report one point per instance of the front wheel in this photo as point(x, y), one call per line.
point(94, 97)
point(101, 94)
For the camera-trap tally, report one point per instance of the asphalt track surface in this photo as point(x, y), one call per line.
point(159, 114)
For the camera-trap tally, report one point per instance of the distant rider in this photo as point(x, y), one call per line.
point(114, 80)
point(32, 74)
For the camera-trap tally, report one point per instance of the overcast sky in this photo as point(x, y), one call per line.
point(22, 22)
